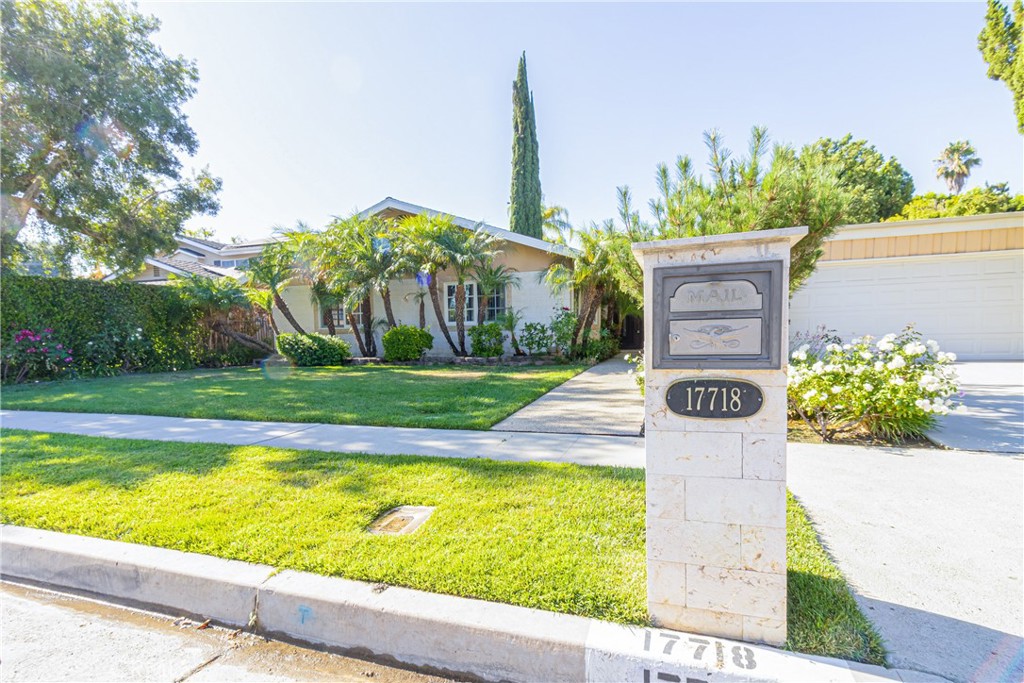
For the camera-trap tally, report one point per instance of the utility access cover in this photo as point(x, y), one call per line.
point(401, 520)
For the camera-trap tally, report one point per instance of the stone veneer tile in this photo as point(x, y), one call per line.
point(695, 454)
point(666, 496)
point(704, 622)
point(763, 549)
point(666, 582)
point(764, 630)
point(737, 501)
point(764, 456)
point(752, 594)
point(699, 543)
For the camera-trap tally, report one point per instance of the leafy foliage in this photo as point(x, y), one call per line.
point(112, 327)
point(1000, 44)
point(488, 340)
point(92, 130)
point(976, 201)
point(563, 327)
point(880, 187)
point(406, 343)
point(602, 348)
point(313, 350)
point(892, 388)
point(537, 338)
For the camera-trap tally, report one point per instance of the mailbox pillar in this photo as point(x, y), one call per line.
point(716, 328)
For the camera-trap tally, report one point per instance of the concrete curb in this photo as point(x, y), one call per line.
point(456, 636)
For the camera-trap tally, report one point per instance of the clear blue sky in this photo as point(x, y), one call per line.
point(313, 110)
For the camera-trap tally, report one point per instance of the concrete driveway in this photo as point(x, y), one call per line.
point(994, 421)
point(932, 542)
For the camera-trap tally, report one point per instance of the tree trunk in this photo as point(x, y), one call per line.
point(327, 316)
point(287, 313)
point(442, 319)
point(482, 313)
point(460, 316)
point(515, 343)
point(273, 323)
point(371, 343)
point(354, 324)
point(585, 303)
point(423, 313)
point(242, 338)
point(385, 294)
point(595, 304)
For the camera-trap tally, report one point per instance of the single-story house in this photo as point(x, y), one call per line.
point(528, 256)
point(960, 281)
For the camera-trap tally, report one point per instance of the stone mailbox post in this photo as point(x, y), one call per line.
point(715, 316)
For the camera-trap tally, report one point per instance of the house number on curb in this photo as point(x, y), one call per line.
point(716, 399)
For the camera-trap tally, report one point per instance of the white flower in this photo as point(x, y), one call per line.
point(923, 403)
point(833, 347)
point(799, 355)
point(960, 409)
point(914, 349)
point(933, 345)
point(847, 347)
point(896, 363)
point(885, 345)
point(817, 367)
point(866, 355)
point(898, 381)
point(869, 387)
point(836, 390)
point(879, 365)
point(810, 394)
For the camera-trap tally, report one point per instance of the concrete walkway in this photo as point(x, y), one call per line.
point(448, 443)
point(931, 542)
point(601, 400)
point(994, 421)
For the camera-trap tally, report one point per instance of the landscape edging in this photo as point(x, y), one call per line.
point(452, 635)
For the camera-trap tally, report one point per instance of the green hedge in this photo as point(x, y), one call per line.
point(406, 343)
point(110, 327)
point(488, 340)
point(308, 350)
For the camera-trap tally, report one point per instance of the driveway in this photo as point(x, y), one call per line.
point(932, 542)
point(994, 421)
point(602, 400)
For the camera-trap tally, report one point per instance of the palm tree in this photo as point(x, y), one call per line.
point(491, 279)
point(216, 298)
point(955, 164)
point(346, 278)
point(374, 259)
point(555, 222)
point(589, 275)
point(463, 250)
point(273, 269)
point(309, 265)
point(417, 242)
point(509, 321)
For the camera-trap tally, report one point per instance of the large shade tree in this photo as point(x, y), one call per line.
point(92, 132)
point(1000, 42)
point(955, 163)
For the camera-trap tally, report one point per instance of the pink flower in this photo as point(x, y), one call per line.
point(47, 330)
point(60, 346)
point(46, 350)
point(67, 360)
point(31, 349)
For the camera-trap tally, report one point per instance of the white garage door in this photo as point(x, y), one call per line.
point(972, 304)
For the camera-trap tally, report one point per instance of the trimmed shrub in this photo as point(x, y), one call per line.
point(537, 338)
point(406, 343)
point(602, 348)
point(562, 327)
point(488, 340)
point(112, 327)
point(310, 350)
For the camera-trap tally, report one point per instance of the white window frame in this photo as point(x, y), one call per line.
point(472, 303)
point(491, 300)
point(340, 316)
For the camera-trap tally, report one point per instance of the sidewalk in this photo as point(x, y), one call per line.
point(55, 637)
point(601, 400)
point(446, 443)
point(994, 421)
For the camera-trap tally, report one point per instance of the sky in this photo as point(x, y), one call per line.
point(312, 110)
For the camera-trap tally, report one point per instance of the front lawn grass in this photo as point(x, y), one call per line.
point(558, 537)
point(442, 397)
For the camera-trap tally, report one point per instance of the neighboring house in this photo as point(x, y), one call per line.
point(960, 280)
point(530, 257)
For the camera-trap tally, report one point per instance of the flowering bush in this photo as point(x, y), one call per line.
point(35, 355)
point(892, 388)
point(114, 351)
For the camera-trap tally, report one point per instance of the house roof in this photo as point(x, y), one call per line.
point(500, 233)
point(929, 226)
point(180, 266)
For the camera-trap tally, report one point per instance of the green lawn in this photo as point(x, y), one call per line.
point(440, 396)
point(557, 537)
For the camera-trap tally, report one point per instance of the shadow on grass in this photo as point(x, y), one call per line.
point(823, 617)
point(46, 460)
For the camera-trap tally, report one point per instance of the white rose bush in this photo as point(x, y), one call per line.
point(892, 388)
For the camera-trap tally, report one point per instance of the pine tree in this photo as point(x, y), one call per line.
point(525, 213)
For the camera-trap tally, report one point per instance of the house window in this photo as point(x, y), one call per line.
point(232, 263)
point(156, 272)
point(495, 305)
point(340, 316)
point(470, 301)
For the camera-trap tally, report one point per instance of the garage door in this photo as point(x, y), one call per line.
point(972, 304)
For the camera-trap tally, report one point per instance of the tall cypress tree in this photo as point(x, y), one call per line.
point(525, 205)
